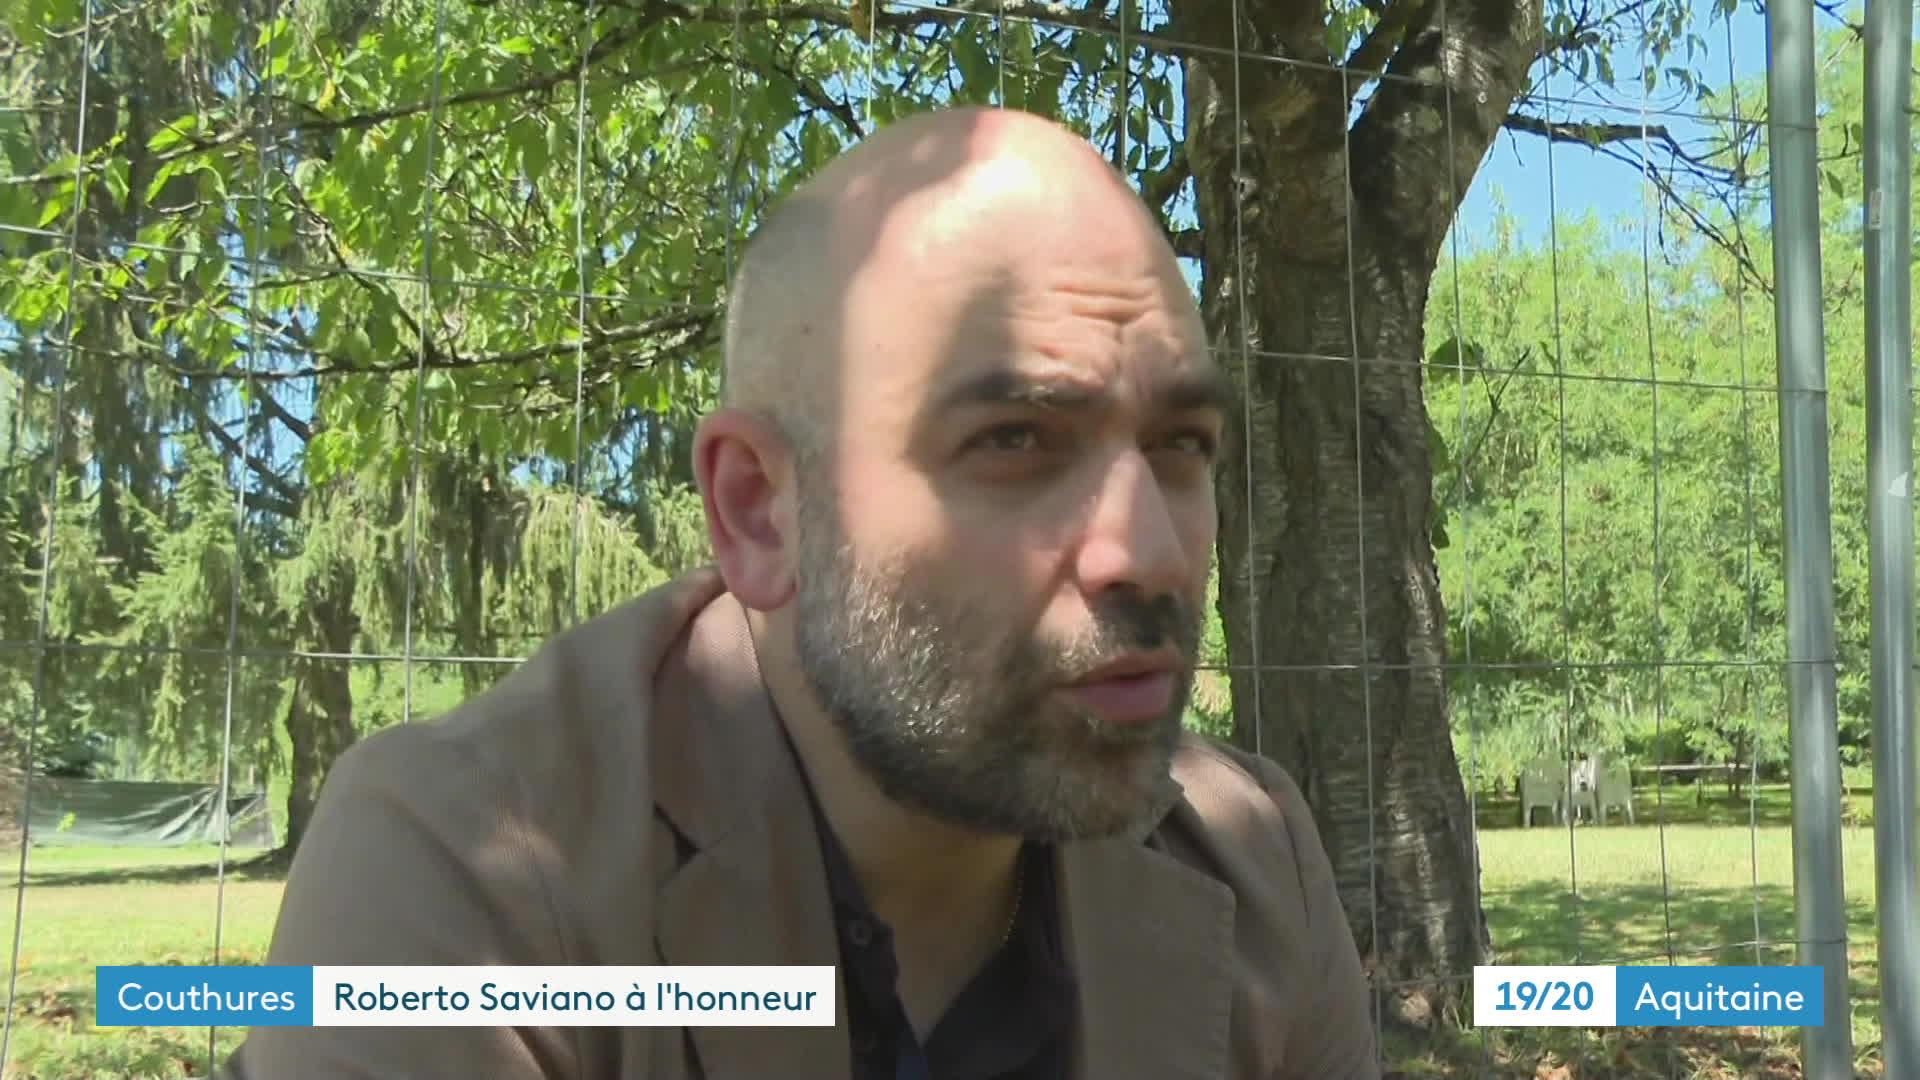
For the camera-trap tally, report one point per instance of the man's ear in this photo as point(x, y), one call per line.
point(744, 467)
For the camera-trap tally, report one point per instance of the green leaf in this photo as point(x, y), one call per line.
point(1439, 454)
point(115, 178)
point(217, 181)
point(559, 142)
point(157, 233)
point(1466, 360)
point(535, 151)
point(211, 272)
point(174, 134)
point(56, 205)
point(161, 175)
point(976, 67)
point(35, 306)
point(1090, 53)
point(515, 46)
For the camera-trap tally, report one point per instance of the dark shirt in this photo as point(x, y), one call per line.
point(1013, 1021)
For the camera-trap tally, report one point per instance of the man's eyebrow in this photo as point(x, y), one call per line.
point(1006, 386)
point(1208, 390)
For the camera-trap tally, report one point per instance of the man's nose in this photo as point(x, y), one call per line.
point(1130, 539)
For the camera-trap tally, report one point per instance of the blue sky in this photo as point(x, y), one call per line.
point(1578, 182)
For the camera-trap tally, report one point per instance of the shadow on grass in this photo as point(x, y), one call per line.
point(1546, 923)
point(1600, 1054)
point(262, 866)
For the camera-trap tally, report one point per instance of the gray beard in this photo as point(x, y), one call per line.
point(954, 717)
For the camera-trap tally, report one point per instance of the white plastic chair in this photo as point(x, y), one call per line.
point(1542, 784)
point(1614, 790)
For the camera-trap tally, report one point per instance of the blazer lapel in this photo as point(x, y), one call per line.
point(1151, 944)
point(755, 891)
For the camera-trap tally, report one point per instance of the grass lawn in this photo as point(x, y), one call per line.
point(90, 906)
point(1552, 896)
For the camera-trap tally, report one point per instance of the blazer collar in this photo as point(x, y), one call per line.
point(1150, 940)
point(755, 891)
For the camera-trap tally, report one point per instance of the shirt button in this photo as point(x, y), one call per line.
point(860, 932)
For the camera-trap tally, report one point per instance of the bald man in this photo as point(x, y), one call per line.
point(920, 721)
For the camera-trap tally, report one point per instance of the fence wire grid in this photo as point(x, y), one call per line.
point(352, 348)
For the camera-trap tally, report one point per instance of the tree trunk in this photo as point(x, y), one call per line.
point(320, 718)
point(1318, 243)
point(1328, 514)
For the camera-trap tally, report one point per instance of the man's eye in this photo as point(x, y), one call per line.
point(1010, 438)
point(1195, 442)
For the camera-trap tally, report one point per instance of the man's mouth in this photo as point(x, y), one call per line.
point(1133, 690)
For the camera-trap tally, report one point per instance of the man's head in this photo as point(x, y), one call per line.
point(964, 471)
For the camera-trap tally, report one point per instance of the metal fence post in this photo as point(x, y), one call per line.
point(1818, 892)
point(1889, 259)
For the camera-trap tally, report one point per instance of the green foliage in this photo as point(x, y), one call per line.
point(573, 559)
point(1666, 644)
point(676, 528)
point(83, 755)
point(171, 618)
point(1657, 499)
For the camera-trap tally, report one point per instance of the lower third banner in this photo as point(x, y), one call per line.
point(1567, 996)
point(698, 996)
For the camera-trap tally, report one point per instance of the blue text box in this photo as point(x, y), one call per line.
point(203, 996)
point(1719, 997)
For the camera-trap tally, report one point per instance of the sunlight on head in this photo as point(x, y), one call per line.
point(910, 194)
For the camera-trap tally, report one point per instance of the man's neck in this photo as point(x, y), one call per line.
point(910, 865)
point(947, 893)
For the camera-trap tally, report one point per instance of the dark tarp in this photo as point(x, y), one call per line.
point(136, 813)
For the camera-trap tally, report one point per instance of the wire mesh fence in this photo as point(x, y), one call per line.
point(353, 347)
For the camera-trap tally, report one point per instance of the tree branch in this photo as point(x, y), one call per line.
point(325, 226)
point(908, 19)
point(321, 124)
point(605, 377)
point(437, 360)
point(279, 412)
point(1469, 67)
point(1587, 133)
point(260, 500)
point(234, 447)
point(1670, 194)
point(1585, 30)
point(653, 12)
point(819, 98)
point(1162, 186)
point(1596, 136)
point(1396, 22)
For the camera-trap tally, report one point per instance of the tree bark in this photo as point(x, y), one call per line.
point(1318, 244)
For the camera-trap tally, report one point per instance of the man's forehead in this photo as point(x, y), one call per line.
point(1184, 383)
point(974, 337)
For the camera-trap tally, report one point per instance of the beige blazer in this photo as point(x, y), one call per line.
point(625, 798)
